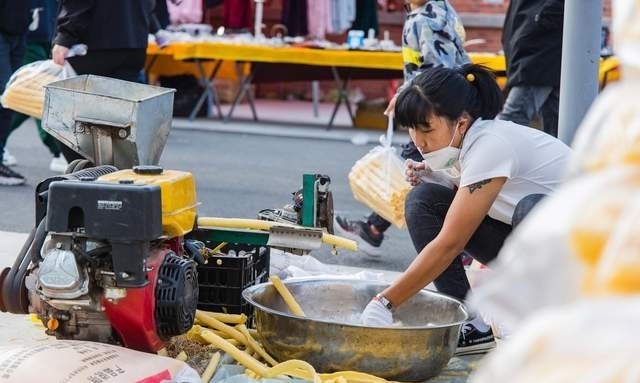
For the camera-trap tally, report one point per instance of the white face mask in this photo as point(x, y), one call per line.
point(445, 158)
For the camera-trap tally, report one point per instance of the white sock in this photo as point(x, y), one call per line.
point(478, 323)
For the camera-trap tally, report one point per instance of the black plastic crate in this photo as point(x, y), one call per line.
point(223, 278)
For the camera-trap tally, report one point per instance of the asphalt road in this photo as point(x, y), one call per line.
point(237, 174)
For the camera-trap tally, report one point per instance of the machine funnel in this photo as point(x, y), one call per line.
point(109, 121)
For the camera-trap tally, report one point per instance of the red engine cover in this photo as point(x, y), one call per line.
point(133, 317)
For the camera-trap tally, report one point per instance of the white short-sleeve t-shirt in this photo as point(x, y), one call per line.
point(531, 160)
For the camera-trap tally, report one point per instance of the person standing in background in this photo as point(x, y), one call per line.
point(432, 36)
point(116, 33)
point(14, 22)
point(532, 44)
point(43, 18)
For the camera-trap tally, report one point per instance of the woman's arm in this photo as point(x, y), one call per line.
point(469, 207)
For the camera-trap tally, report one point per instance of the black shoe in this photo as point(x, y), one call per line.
point(474, 341)
point(10, 178)
point(360, 232)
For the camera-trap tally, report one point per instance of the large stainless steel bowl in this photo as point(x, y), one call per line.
point(331, 339)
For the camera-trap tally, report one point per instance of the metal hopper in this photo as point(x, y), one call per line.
point(109, 121)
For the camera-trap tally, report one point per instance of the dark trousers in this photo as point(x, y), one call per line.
point(11, 53)
point(524, 102)
point(123, 64)
point(409, 151)
point(425, 209)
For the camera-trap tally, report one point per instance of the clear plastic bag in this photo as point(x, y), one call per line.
point(626, 31)
point(610, 132)
point(377, 180)
point(24, 92)
point(578, 243)
point(589, 341)
point(609, 135)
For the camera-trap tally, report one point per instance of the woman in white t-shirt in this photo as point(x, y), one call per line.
point(479, 177)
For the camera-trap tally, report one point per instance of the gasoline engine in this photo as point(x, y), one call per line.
point(106, 261)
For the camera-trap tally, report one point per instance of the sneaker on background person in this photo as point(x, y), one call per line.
point(8, 159)
point(58, 164)
point(476, 337)
point(10, 178)
point(359, 231)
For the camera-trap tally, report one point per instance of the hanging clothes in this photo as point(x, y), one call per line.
point(238, 14)
point(319, 18)
point(343, 13)
point(294, 17)
point(366, 16)
point(185, 11)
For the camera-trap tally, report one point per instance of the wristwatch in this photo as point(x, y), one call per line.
point(385, 302)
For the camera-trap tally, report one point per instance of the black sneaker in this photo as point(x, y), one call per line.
point(360, 232)
point(10, 178)
point(474, 341)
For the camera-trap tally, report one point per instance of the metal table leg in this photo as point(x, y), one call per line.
point(343, 95)
point(209, 92)
point(245, 87)
point(148, 66)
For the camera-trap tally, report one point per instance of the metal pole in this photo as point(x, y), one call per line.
point(315, 97)
point(580, 62)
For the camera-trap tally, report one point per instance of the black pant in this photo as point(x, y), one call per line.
point(123, 64)
point(409, 151)
point(425, 209)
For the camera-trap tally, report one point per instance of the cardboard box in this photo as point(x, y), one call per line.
point(370, 114)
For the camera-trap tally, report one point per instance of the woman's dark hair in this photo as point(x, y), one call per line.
point(449, 92)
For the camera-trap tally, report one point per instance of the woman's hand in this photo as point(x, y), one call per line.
point(376, 314)
point(414, 171)
point(59, 54)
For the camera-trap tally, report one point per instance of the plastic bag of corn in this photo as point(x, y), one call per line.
point(378, 181)
point(24, 92)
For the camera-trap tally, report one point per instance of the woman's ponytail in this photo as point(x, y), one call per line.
point(486, 99)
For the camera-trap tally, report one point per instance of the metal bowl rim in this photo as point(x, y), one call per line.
point(251, 289)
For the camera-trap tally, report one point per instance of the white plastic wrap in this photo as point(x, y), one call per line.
point(590, 341)
point(610, 132)
point(626, 31)
point(579, 242)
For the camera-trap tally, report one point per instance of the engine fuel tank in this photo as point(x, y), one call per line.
point(177, 194)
